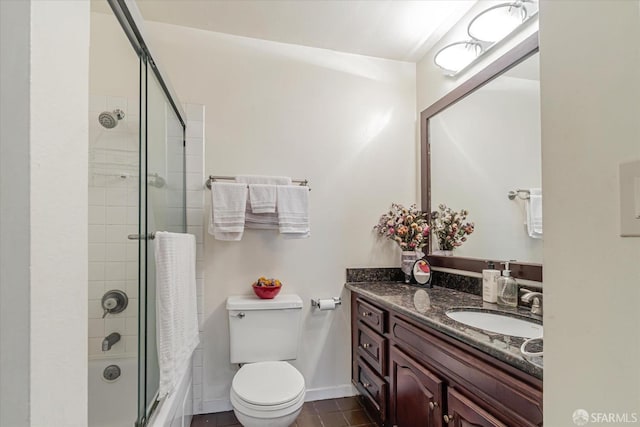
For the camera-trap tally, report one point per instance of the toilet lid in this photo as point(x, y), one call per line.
point(268, 383)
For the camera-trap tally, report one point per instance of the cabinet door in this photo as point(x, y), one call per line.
point(461, 412)
point(416, 393)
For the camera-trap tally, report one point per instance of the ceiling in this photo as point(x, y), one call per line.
point(392, 29)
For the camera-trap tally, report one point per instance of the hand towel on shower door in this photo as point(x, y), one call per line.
point(176, 306)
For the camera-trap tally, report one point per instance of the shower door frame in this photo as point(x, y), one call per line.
point(132, 23)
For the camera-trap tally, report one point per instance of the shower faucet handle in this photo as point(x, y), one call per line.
point(114, 301)
point(108, 305)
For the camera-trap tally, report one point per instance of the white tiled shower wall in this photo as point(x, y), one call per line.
point(195, 176)
point(113, 213)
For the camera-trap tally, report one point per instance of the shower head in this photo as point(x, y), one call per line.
point(109, 119)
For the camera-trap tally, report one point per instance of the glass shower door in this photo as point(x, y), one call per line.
point(162, 201)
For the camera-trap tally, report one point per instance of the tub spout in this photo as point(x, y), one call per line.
point(110, 340)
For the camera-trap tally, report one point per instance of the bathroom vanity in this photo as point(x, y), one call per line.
point(414, 366)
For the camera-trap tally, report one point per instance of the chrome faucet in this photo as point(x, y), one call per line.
point(535, 298)
point(110, 340)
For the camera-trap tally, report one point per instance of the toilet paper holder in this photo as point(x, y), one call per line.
point(316, 302)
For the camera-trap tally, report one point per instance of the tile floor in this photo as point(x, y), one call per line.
point(343, 412)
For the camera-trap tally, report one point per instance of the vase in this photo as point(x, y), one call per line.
point(406, 263)
point(443, 253)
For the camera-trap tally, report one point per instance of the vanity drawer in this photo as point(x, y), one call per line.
point(373, 388)
point(372, 348)
point(371, 316)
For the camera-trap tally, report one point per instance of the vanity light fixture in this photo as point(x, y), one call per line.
point(455, 56)
point(497, 22)
point(485, 30)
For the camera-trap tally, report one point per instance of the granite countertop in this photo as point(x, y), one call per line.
point(430, 311)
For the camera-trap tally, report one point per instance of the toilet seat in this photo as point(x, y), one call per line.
point(267, 389)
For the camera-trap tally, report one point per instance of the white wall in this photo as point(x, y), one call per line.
point(52, 169)
point(346, 123)
point(59, 104)
point(590, 108)
point(114, 65)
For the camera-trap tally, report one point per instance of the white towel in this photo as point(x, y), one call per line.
point(264, 179)
point(262, 198)
point(176, 306)
point(228, 206)
point(293, 211)
point(261, 221)
point(261, 216)
point(534, 213)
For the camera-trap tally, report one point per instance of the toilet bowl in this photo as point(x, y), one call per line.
point(267, 394)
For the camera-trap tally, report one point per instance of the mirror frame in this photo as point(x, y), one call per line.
point(519, 53)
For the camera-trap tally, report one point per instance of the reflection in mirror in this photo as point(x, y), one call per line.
point(421, 301)
point(474, 167)
point(483, 147)
point(421, 272)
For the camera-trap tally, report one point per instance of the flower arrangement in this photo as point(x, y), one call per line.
point(408, 227)
point(450, 227)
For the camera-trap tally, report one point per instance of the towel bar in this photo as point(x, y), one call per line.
point(513, 194)
point(212, 178)
point(149, 236)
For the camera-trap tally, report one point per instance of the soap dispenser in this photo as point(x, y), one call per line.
point(507, 288)
point(490, 278)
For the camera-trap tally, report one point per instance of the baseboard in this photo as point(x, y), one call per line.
point(344, 390)
point(312, 394)
point(218, 405)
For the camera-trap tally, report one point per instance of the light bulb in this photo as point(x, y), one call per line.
point(456, 56)
point(497, 22)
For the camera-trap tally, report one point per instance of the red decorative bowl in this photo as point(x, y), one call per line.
point(266, 292)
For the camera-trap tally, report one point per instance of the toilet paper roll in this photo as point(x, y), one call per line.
point(326, 304)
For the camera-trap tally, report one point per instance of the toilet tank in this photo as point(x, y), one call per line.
point(264, 329)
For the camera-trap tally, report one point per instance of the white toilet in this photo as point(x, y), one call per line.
point(266, 391)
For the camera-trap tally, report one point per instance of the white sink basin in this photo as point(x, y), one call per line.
point(497, 322)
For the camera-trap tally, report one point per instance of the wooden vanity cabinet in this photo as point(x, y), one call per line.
point(411, 375)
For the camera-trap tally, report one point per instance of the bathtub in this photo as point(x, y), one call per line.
point(176, 410)
point(113, 403)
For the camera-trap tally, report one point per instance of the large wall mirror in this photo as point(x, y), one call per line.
point(479, 143)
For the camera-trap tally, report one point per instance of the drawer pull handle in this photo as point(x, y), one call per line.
point(433, 405)
point(366, 385)
point(366, 314)
point(366, 345)
point(448, 418)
